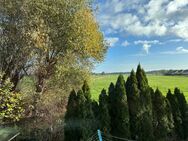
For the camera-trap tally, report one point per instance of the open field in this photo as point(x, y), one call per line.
point(164, 83)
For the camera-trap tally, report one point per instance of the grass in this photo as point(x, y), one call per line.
point(164, 83)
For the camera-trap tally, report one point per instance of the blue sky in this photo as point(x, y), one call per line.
point(152, 32)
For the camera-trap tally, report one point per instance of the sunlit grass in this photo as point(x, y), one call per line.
point(98, 82)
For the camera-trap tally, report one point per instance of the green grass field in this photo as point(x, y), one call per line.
point(164, 83)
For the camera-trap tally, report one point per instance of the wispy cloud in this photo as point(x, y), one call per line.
point(112, 41)
point(125, 43)
point(146, 44)
point(146, 48)
point(179, 50)
point(175, 40)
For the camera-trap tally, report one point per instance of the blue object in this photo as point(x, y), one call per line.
point(99, 135)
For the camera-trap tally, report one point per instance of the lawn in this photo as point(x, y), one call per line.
point(164, 83)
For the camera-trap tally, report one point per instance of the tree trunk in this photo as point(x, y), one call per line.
point(40, 84)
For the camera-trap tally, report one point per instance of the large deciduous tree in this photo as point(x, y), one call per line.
point(15, 46)
point(64, 29)
point(59, 41)
point(54, 31)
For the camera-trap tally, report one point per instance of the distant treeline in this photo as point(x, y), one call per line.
point(130, 109)
point(155, 72)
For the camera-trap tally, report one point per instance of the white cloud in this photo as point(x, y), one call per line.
point(175, 40)
point(112, 41)
point(181, 29)
point(176, 5)
point(146, 44)
point(146, 48)
point(154, 10)
point(146, 17)
point(179, 50)
point(125, 43)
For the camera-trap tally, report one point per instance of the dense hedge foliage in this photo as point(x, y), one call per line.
point(131, 110)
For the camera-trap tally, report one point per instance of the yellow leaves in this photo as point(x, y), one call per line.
point(86, 36)
point(40, 35)
point(67, 25)
point(10, 103)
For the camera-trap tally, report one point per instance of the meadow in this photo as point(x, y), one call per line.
point(98, 82)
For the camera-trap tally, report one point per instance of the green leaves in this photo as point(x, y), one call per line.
point(11, 105)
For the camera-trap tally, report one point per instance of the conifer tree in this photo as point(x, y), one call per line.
point(112, 110)
point(104, 112)
point(95, 109)
point(71, 129)
point(145, 128)
point(81, 113)
point(162, 121)
point(170, 118)
point(88, 106)
point(146, 132)
point(183, 110)
point(111, 92)
point(86, 117)
point(121, 118)
point(141, 78)
point(88, 102)
point(133, 103)
point(176, 114)
point(86, 90)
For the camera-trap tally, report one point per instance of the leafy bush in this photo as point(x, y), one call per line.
point(11, 109)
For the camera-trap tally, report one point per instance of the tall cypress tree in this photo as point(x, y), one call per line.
point(141, 78)
point(111, 92)
point(71, 130)
point(170, 118)
point(183, 110)
point(134, 104)
point(162, 121)
point(86, 116)
point(146, 132)
point(112, 110)
point(104, 112)
point(81, 114)
point(86, 90)
point(95, 109)
point(121, 119)
point(176, 114)
point(90, 115)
